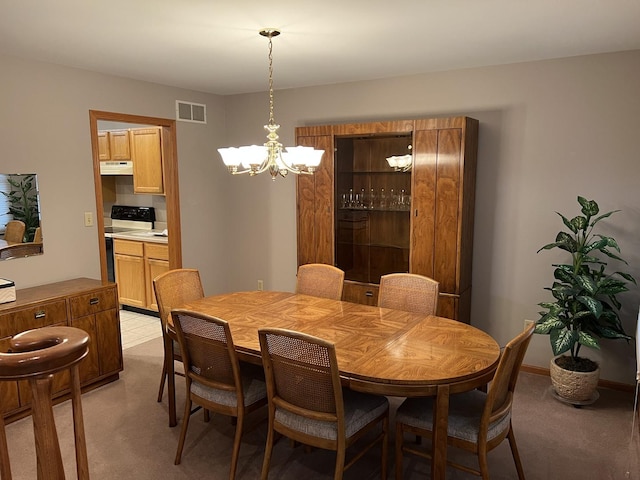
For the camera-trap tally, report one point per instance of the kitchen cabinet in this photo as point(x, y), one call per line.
point(84, 303)
point(369, 219)
point(114, 145)
point(104, 151)
point(146, 155)
point(156, 263)
point(137, 263)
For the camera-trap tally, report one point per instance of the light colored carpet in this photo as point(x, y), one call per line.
point(129, 438)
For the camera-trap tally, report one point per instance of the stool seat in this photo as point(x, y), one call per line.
point(35, 355)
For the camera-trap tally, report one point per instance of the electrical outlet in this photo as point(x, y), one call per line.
point(260, 285)
point(527, 323)
point(88, 219)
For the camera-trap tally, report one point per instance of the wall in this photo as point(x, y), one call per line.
point(549, 131)
point(45, 129)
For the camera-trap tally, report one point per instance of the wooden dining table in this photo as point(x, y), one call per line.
point(379, 350)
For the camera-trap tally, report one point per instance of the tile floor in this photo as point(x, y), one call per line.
point(137, 328)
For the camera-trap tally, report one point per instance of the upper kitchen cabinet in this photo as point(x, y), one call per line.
point(146, 154)
point(104, 152)
point(114, 145)
point(368, 216)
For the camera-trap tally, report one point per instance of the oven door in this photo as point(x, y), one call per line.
point(111, 272)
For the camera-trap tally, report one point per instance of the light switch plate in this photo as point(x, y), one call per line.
point(88, 219)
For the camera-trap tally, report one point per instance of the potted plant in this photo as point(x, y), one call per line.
point(23, 202)
point(585, 307)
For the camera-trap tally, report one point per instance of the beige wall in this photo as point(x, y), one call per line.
point(549, 131)
point(44, 123)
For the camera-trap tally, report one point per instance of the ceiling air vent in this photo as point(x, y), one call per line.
point(191, 112)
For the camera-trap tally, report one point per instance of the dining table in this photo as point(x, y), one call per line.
point(379, 350)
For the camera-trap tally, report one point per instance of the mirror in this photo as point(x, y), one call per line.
point(20, 230)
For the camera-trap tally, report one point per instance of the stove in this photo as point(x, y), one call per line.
point(126, 219)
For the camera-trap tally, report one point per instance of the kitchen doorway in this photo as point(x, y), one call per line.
point(170, 176)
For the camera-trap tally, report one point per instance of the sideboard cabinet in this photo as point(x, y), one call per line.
point(369, 218)
point(91, 305)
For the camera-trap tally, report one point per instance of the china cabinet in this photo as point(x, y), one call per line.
point(368, 216)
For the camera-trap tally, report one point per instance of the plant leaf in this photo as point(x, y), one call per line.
point(562, 340)
point(588, 340)
point(593, 304)
point(589, 207)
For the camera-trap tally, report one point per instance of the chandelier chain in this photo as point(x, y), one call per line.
point(271, 119)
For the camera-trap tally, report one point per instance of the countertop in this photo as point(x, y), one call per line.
point(153, 236)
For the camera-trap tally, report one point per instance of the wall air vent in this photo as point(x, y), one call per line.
point(191, 112)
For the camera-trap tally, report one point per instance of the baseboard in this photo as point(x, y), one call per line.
point(622, 387)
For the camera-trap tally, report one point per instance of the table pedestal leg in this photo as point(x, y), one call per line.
point(49, 459)
point(82, 461)
point(439, 440)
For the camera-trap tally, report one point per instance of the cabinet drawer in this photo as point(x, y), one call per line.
point(364, 293)
point(128, 247)
point(92, 303)
point(158, 251)
point(36, 316)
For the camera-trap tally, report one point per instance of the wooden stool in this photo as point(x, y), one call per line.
point(35, 355)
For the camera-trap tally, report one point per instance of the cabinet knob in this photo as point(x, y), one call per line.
point(94, 301)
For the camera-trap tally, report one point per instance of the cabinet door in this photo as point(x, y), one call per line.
point(423, 201)
point(104, 152)
point(364, 293)
point(109, 341)
point(130, 279)
point(155, 267)
point(315, 204)
point(146, 154)
point(89, 366)
point(119, 145)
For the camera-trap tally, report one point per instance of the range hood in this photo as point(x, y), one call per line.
point(124, 167)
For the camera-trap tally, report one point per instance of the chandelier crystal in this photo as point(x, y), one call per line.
point(271, 156)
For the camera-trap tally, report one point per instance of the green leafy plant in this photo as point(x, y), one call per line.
point(23, 202)
point(586, 307)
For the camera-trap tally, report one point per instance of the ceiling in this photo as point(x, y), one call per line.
point(214, 46)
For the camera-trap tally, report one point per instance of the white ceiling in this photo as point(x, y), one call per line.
point(213, 45)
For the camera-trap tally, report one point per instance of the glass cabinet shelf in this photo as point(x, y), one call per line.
point(373, 203)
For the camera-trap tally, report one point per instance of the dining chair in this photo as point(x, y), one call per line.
point(308, 404)
point(214, 377)
point(14, 231)
point(478, 421)
point(409, 292)
point(173, 289)
point(320, 280)
point(37, 235)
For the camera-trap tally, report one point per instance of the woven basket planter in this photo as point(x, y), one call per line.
point(574, 386)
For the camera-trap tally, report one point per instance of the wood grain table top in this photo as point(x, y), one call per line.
point(379, 350)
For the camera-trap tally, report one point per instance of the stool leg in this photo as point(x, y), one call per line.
point(5, 467)
point(82, 460)
point(49, 459)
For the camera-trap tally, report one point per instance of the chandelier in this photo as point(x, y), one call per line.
point(400, 163)
point(271, 156)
